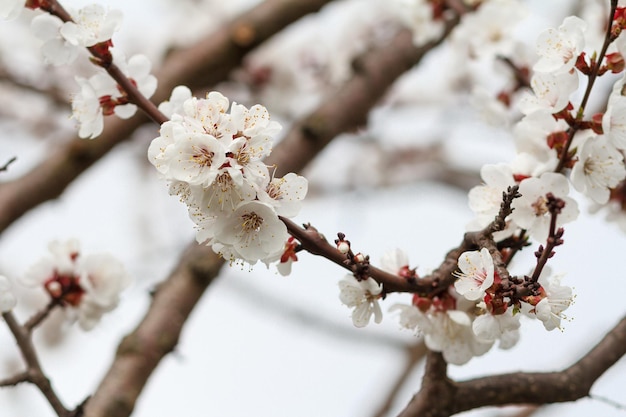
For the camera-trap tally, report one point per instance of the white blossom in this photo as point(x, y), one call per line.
point(531, 134)
point(394, 261)
point(285, 194)
point(213, 160)
point(419, 18)
point(550, 92)
point(451, 334)
point(88, 285)
point(55, 49)
point(491, 327)
point(559, 48)
point(363, 296)
point(255, 126)
point(92, 24)
point(557, 299)
point(62, 261)
point(7, 298)
point(86, 110)
point(196, 159)
point(137, 69)
point(488, 30)
point(225, 194)
point(101, 90)
point(253, 231)
point(103, 278)
point(526, 164)
point(485, 200)
point(599, 167)
point(410, 317)
point(179, 95)
point(477, 274)
point(614, 119)
point(530, 210)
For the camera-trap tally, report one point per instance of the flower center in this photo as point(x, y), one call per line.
point(540, 207)
point(202, 156)
point(251, 222)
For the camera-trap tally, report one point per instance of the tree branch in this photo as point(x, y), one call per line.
point(441, 397)
point(347, 110)
point(34, 372)
point(435, 398)
point(205, 63)
point(539, 388)
point(157, 335)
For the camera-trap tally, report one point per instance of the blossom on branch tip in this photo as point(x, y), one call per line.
point(92, 24)
point(213, 160)
point(363, 296)
point(7, 298)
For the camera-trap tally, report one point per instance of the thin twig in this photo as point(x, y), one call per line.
point(34, 372)
point(5, 167)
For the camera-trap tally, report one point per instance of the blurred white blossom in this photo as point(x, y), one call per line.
point(7, 298)
point(363, 297)
point(88, 285)
point(92, 24)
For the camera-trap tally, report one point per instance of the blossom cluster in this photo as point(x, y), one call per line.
point(62, 41)
point(467, 319)
point(89, 27)
point(557, 149)
point(86, 285)
point(101, 96)
point(212, 156)
point(553, 141)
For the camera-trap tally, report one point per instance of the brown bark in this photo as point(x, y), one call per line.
point(441, 397)
point(347, 110)
point(157, 335)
